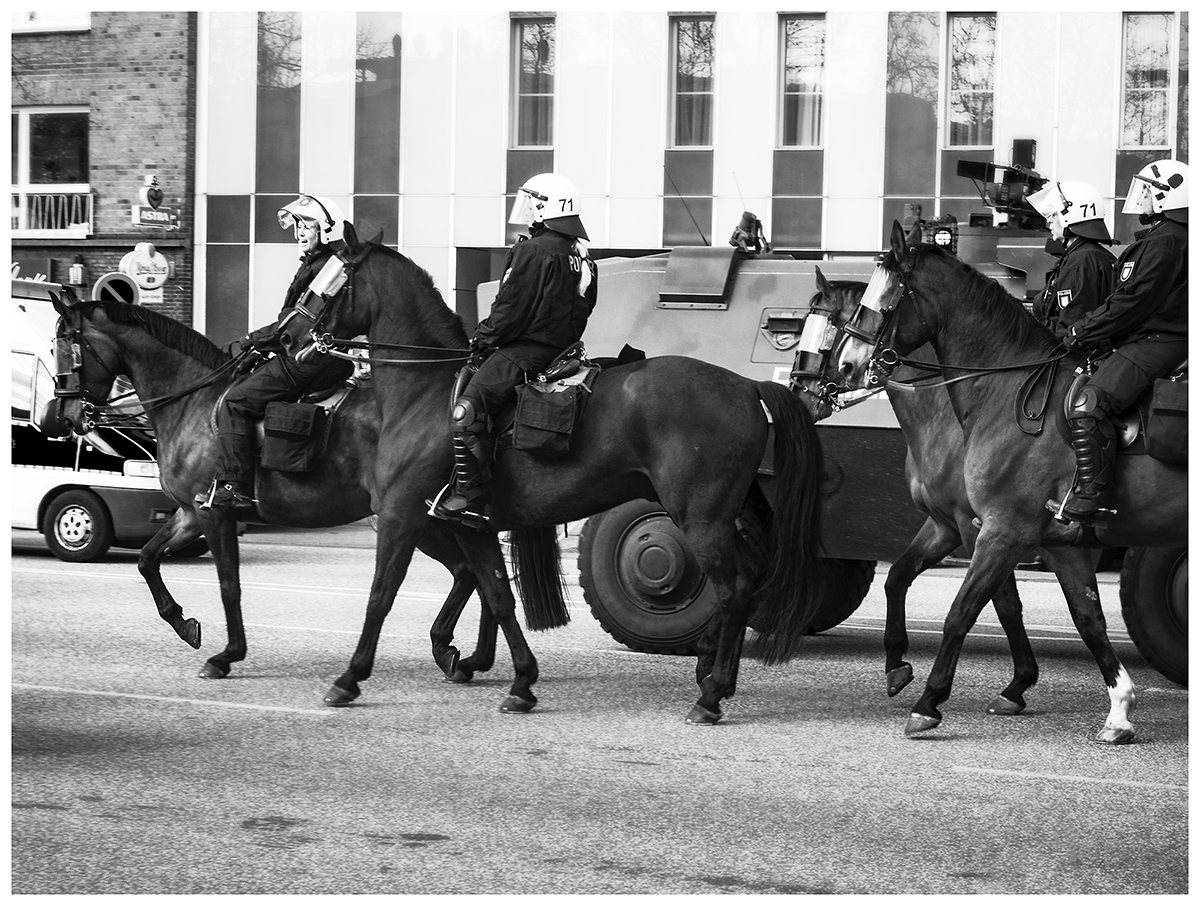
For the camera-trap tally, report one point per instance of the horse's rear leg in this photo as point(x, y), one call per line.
point(932, 542)
point(1077, 577)
point(1007, 602)
point(220, 529)
point(443, 546)
point(487, 561)
point(179, 531)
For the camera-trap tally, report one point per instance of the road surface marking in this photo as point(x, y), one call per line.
point(163, 698)
point(1070, 778)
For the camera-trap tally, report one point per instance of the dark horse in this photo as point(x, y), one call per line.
point(934, 470)
point(685, 433)
point(992, 351)
point(179, 374)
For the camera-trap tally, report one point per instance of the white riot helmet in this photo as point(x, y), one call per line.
point(313, 209)
point(550, 199)
point(1158, 187)
point(1073, 206)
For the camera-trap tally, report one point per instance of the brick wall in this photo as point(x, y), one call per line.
point(135, 71)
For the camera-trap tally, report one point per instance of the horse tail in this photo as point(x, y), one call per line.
point(538, 575)
point(798, 579)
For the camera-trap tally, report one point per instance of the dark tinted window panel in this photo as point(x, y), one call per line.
point(228, 301)
point(377, 104)
point(1128, 164)
point(228, 218)
point(796, 222)
point(58, 148)
point(687, 221)
point(266, 219)
point(688, 173)
point(375, 213)
point(278, 124)
point(520, 166)
point(893, 210)
point(799, 173)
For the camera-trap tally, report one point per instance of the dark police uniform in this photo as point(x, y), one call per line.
point(1079, 282)
point(282, 377)
point(537, 313)
point(1145, 317)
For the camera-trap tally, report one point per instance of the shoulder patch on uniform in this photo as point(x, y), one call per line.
point(1064, 298)
point(1126, 270)
point(504, 279)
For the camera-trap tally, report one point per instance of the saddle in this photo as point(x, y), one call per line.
point(1155, 425)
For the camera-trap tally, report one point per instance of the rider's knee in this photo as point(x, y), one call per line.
point(1091, 402)
point(467, 416)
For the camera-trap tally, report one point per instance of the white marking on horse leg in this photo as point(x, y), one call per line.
point(1123, 699)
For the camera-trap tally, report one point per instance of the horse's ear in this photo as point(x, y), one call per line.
point(64, 305)
point(899, 241)
point(823, 286)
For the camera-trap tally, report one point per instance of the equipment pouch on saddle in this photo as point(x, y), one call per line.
point(293, 436)
point(1166, 425)
point(544, 420)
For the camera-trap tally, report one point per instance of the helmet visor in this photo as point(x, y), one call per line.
point(1047, 201)
point(524, 209)
point(1140, 199)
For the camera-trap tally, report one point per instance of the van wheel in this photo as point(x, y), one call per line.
point(77, 527)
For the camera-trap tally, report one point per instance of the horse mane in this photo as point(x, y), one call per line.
point(166, 330)
point(993, 300)
point(441, 319)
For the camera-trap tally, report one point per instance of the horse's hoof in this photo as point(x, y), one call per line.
point(190, 632)
point(514, 704)
point(449, 663)
point(458, 677)
point(1115, 736)
point(1005, 707)
point(920, 723)
point(213, 671)
point(337, 697)
point(899, 678)
point(701, 715)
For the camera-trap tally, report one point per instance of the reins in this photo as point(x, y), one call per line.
point(330, 345)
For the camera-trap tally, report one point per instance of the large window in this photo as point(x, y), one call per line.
point(534, 59)
point(692, 41)
point(1146, 99)
point(972, 79)
point(50, 167)
point(803, 71)
point(278, 111)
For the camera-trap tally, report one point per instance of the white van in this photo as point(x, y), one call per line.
point(84, 494)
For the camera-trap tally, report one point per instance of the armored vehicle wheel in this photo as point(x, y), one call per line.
point(1154, 587)
point(854, 577)
point(646, 589)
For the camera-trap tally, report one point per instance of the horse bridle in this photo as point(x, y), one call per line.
point(327, 344)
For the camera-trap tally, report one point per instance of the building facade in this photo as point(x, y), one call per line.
point(104, 107)
point(421, 124)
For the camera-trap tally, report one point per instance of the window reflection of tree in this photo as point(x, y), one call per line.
point(694, 55)
point(1147, 79)
point(972, 67)
point(912, 60)
point(535, 89)
point(278, 50)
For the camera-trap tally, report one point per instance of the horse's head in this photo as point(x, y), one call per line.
point(329, 307)
point(86, 365)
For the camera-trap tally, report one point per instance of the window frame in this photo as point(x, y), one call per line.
point(519, 24)
point(1170, 90)
point(784, 94)
point(22, 187)
point(674, 92)
point(949, 92)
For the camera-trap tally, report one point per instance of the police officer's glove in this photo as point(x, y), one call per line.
point(250, 359)
point(477, 353)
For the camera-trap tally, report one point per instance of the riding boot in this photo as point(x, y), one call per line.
point(1095, 445)
point(234, 483)
point(471, 474)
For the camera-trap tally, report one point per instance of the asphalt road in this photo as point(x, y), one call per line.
point(132, 775)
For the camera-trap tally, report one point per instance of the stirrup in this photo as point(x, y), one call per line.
point(1059, 510)
point(234, 500)
point(471, 518)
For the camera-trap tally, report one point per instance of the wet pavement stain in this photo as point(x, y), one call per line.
point(275, 831)
point(46, 806)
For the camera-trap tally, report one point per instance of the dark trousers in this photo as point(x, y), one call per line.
point(1133, 368)
point(494, 384)
point(280, 378)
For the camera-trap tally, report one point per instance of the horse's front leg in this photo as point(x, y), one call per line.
point(993, 559)
point(220, 529)
point(394, 546)
point(1077, 576)
point(487, 562)
point(932, 542)
point(179, 531)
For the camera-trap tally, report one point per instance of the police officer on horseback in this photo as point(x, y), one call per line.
point(546, 295)
point(1144, 320)
point(318, 227)
point(1083, 276)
